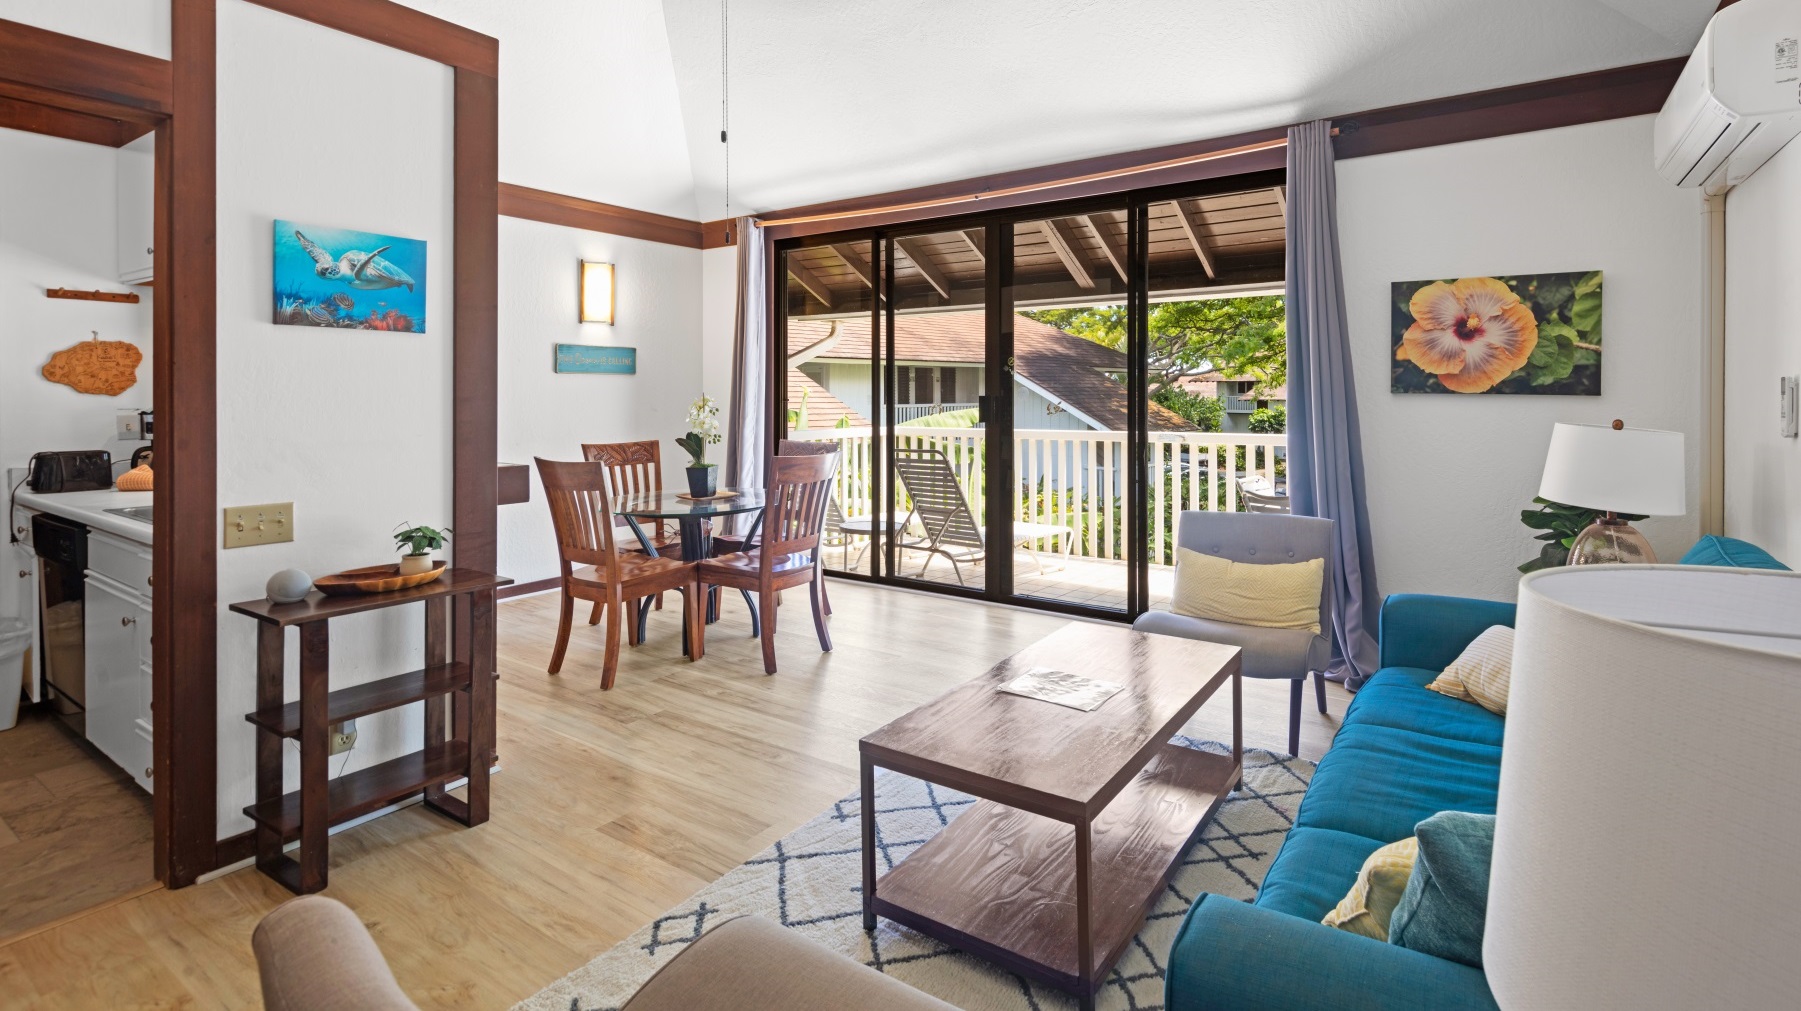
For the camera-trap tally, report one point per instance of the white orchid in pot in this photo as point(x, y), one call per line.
point(703, 431)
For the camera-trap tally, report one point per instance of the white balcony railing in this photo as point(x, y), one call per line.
point(904, 413)
point(1077, 479)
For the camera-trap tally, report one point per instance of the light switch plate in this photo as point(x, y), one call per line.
point(127, 422)
point(271, 523)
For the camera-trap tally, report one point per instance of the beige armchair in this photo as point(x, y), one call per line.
point(315, 955)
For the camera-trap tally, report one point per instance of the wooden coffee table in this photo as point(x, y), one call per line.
point(1083, 816)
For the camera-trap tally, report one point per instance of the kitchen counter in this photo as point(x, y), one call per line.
point(90, 507)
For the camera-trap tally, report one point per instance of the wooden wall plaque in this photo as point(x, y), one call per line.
point(106, 368)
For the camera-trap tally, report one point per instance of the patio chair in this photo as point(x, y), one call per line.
point(1288, 653)
point(1259, 496)
point(951, 529)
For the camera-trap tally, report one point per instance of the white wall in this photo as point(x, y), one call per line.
point(1447, 476)
point(139, 25)
point(57, 230)
point(718, 314)
point(351, 426)
point(659, 312)
point(1763, 341)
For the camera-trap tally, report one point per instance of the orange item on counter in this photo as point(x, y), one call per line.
point(135, 479)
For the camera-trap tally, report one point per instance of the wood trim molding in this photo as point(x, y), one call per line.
point(535, 586)
point(63, 65)
point(185, 615)
point(399, 27)
point(1541, 105)
point(35, 117)
point(575, 212)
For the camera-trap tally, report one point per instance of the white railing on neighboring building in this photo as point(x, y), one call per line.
point(1077, 479)
point(904, 413)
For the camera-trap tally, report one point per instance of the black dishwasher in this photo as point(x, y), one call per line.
point(62, 549)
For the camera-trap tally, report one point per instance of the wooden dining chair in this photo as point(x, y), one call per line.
point(725, 544)
point(582, 515)
point(785, 554)
point(633, 468)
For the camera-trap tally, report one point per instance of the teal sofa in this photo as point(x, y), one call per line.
point(1401, 754)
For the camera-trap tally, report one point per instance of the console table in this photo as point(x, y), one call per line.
point(459, 737)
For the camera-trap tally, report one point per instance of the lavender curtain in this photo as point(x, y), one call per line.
point(1325, 448)
point(747, 423)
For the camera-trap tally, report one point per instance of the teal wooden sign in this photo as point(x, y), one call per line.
point(593, 359)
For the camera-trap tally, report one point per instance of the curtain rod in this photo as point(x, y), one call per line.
point(1193, 159)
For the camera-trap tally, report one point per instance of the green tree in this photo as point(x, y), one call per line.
point(1241, 337)
point(1270, 420)
point(1207, 414)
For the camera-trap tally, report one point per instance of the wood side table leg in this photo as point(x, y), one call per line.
point(1085, 914)
point(315, 747)
point(269, 677)
point(868, 800)
point(481, 702)
point(437, 708)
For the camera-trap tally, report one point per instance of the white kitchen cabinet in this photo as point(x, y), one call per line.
point(118, 675)
point(137, 209)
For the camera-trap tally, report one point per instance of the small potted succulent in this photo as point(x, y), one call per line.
point(703, 431)
point(418, 543)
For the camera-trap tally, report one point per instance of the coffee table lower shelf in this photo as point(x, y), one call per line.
point(1000, 883)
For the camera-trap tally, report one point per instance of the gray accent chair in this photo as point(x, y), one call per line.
point(1290, 653)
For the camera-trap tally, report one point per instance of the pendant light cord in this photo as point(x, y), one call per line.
point(725, 101)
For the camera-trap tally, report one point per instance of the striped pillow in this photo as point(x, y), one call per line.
point(1278, 595)
point(1482, 672)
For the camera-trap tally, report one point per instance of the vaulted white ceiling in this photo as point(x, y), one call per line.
point(838, 99)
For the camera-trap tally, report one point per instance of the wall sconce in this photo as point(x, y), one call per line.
point(597, 292)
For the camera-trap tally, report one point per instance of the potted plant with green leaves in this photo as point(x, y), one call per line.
point(703, 431)
point(418, 543)
point(1559, 524)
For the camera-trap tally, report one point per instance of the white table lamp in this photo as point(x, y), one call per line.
point(1650, 802)
point(1617, 470)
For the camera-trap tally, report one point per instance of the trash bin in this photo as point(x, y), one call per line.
point(15, 639)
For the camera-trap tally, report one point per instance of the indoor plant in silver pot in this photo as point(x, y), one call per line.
point(703, 431)
point(418, 543)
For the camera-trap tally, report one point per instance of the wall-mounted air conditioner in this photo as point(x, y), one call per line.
point(1738, 100)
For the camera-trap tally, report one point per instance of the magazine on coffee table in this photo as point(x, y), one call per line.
point(1061, 687)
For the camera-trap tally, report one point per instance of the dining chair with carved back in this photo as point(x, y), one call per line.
point(587, 535)
point(633, 467)
point(784, 552)
point(725, 544)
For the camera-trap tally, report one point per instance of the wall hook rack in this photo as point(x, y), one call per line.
point(92, 296)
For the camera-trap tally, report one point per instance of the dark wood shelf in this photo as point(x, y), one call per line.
point(371, 697)
point(366, 790)
point(318, 607)
point(1001, 881)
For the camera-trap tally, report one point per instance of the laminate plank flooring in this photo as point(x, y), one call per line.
point(610, 808)
point(74, 829)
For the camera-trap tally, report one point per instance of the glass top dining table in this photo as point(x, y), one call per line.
point(689, 513)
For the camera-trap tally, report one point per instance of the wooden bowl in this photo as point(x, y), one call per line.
point(374, 579)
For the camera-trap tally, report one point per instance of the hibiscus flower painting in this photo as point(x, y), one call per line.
point(1531, 333)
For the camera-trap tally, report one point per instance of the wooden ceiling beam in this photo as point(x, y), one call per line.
point(973, 236)
point(821, 292)
point(1068, 248)
point(1281, 193)
point(923, 260)
point(1192, 226)
point(1115, 250)
point(854, 260)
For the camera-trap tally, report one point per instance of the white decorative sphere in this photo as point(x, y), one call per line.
point(289, 586)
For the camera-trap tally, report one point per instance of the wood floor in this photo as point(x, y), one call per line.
point(611, 807)
point(74, 828)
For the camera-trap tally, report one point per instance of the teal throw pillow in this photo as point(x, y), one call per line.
point(1731, 552)
point(1446, 899)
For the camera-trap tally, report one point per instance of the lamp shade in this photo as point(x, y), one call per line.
point(1625, 470)
point(597, 292)
point(1650, 802)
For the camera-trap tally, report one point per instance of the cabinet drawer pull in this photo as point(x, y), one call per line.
point(126, 621)
point(149, 773)
point(149, 250)
point(24, 572)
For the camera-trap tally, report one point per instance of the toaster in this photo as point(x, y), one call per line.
point(71, 470)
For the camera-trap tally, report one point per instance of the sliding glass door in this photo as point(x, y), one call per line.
point(1026, 400)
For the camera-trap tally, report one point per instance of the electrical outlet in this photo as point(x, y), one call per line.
point(127, 422)
point(343, 737)
point(259, 524)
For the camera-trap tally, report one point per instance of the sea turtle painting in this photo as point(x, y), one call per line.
point(356, 268)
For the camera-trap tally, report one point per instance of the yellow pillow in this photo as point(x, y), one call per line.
point(1371, 901)
point(1280, 595)
point(1482, 672)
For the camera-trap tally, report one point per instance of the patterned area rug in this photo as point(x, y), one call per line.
point(811, 881)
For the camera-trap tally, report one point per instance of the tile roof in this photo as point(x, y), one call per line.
point(823, 409)
point(1071, 369)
